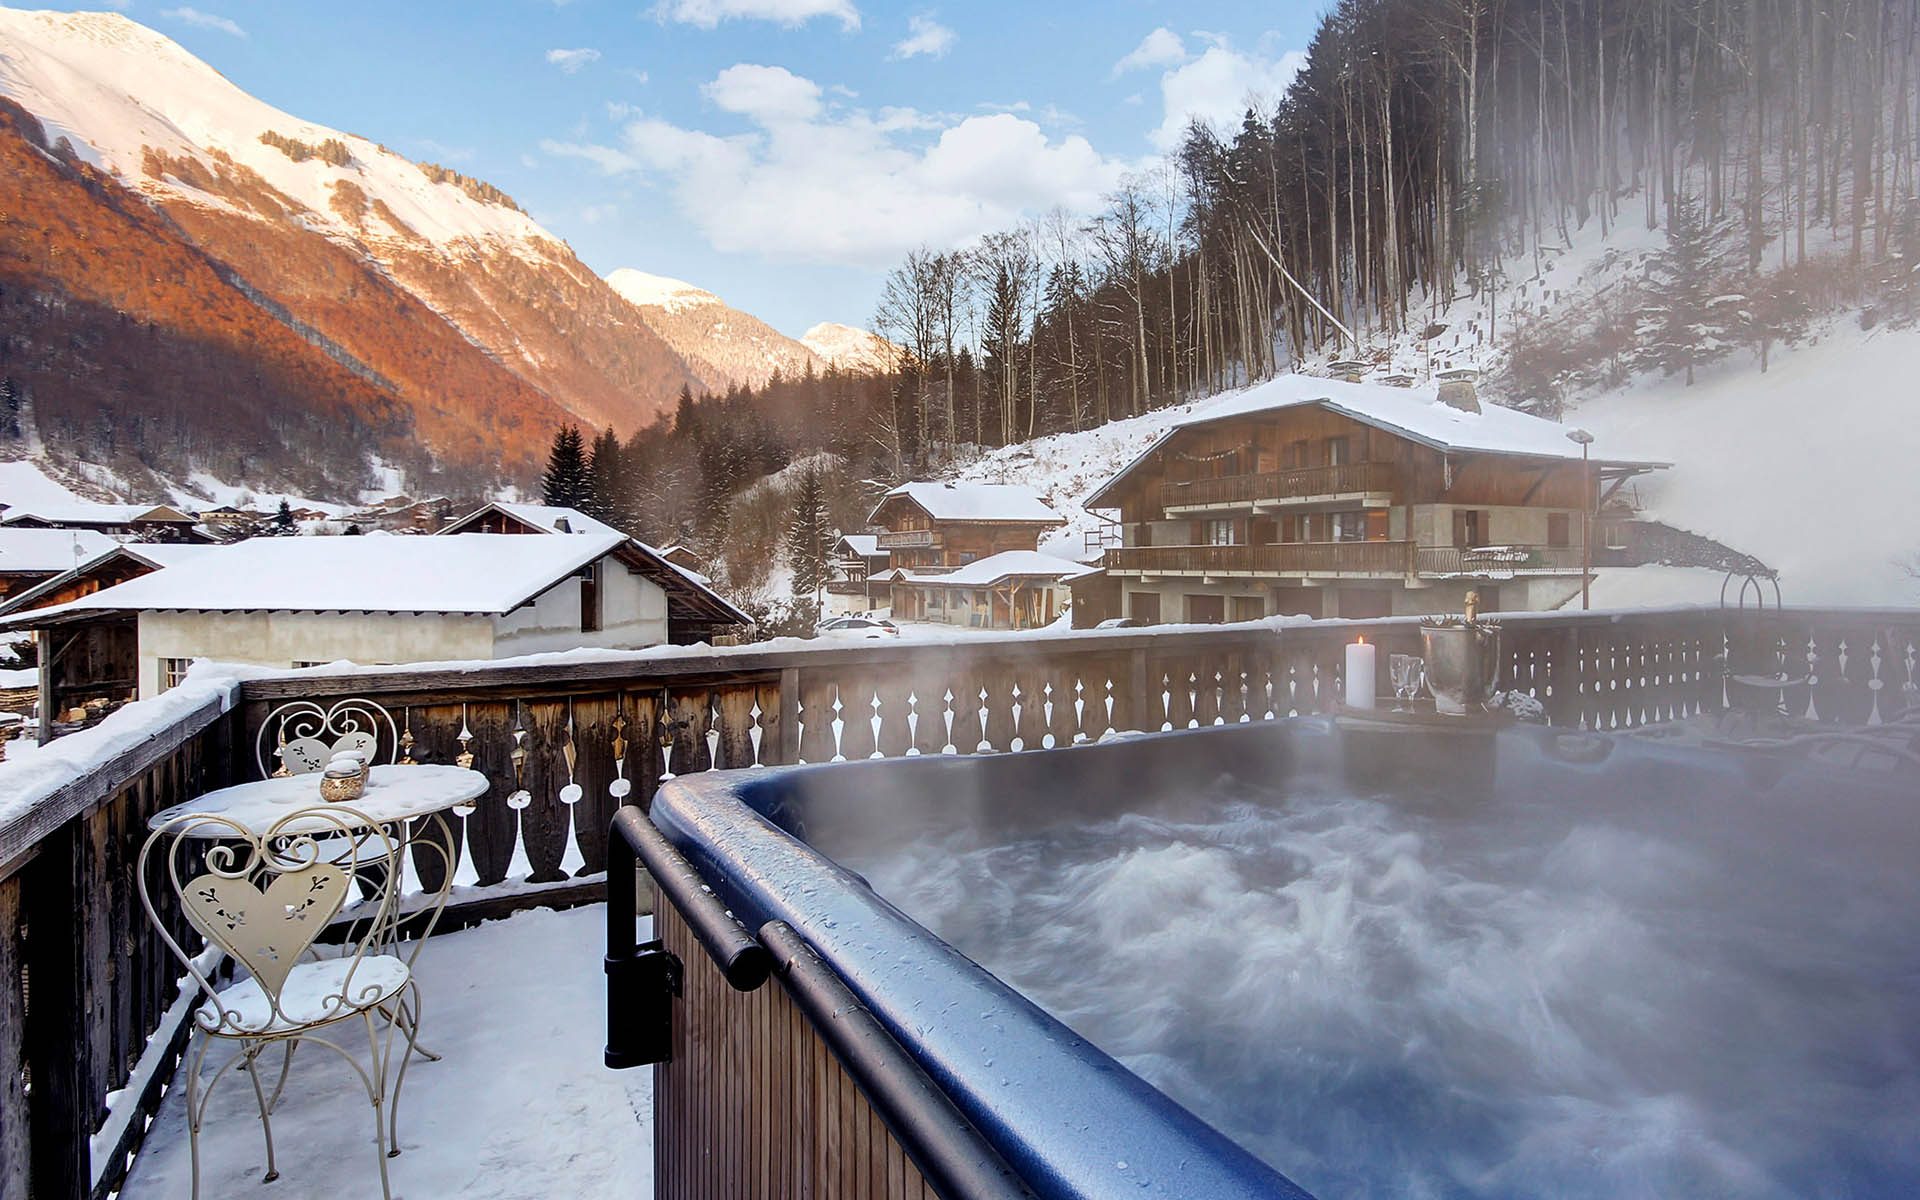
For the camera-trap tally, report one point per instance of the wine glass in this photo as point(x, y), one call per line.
point(1406, 671)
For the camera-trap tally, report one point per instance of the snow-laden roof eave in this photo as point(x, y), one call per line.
point(1098, 498)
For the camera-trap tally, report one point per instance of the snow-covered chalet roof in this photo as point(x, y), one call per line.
point(862, 545)
point(154, 554)
point(1415, 413)
point(24, 551)
point(1008, 564)
point(464, 573)
point(86, 512)
point(1004, 502)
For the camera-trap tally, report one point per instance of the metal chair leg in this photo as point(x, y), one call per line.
point(406, 1056)
point(252, 1069)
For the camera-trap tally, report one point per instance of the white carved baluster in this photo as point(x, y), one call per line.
point(1875, 684)
point(1017, 701)
point(756, 731)
point(874, 722)
point(1046, 714)
point(1813, 678)
point(571, 860)
point(983, 699)
point(947, 715)
point(839, 726)
point(913, 724)
point(713, 732)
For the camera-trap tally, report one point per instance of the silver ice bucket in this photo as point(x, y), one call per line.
point(1463, 664)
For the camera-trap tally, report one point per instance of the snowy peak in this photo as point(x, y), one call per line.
point(850, 348)
point(724, 346)
point(186, 132)
point(659, 291)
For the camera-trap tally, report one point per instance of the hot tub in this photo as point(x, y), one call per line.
point(1366, 960)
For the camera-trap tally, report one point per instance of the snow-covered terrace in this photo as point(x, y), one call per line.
point(521, 1104)
point(518, 1108)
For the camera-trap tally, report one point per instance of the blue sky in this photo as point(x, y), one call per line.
point(781, 153)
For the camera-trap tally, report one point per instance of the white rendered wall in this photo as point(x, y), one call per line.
point(633, 613)
point(280, 639)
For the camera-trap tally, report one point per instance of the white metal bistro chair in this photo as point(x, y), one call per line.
point(264, 898)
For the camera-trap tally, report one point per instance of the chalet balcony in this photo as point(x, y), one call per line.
point(1372, 559)
point(768, 1091)
point(1369, 484)
point(1377, 560)
point(908, 539)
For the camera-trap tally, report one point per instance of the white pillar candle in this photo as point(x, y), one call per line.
point(1360, 658)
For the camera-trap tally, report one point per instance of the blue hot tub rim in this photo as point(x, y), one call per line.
point(1073, 1121)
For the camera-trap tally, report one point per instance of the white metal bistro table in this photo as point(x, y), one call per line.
point(409, 800)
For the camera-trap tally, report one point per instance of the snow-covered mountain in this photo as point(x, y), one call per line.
point(722, 345)
point(200, 282)
point(850, 348)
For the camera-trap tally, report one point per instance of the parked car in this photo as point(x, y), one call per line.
point(858, 629)
point(1121, 623)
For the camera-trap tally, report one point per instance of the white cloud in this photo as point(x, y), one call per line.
point(205, 20)
point(572, 61)
point(925, 36)
point(609, 159)
point(807, 183)
point(1217, 86)
point(708, 13)
point(1160, 48)
point(764, 95)
point(594, 214)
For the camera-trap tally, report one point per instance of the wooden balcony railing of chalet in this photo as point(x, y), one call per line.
point(1496, 560)
point(1305, 483)
point(87, 1051)
point(1297, 558)
point(907, 539)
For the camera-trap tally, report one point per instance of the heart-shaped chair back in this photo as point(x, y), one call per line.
point(299, 737)
point(266, 896)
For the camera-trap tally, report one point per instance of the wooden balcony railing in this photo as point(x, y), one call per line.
point(1343, 480)
point(907, 539)
point(1496, 561)
point(1286, 558)
point(99, 1032)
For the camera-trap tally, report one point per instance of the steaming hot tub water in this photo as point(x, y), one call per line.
point(1511, 995)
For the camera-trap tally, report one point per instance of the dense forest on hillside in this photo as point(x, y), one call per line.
point(1428, 151)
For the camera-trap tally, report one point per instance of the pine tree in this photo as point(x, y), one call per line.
point(1693, 316)
point(810, 536)
point(603, 477)
point(283, 524)
point(565, 482)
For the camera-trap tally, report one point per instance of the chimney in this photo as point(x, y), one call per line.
point(1346, 370)
point(1456, 388)
point(1398, 378)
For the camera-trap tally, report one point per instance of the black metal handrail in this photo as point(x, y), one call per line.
point(949, 1151)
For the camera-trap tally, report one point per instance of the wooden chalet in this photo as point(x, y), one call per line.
point(31, 555)
point(860, 567)
point(158, 522)
point(1331, 498)
point(935, 525)
point(1015, 589)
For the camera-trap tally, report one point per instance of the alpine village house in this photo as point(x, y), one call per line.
point(1335, 498)
point(968, 554)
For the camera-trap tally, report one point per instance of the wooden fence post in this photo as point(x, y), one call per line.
point(58, 1110)
point(789, 749)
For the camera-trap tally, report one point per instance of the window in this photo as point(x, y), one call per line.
point(967, 556)
point(1469, 527)
point(1297, 453)
point(1206, 610)
point(1339, 452)
point(1248, 608)
point(299, 663)
point(1220, 532)
point(172, 671)
point(1559, 529)
point(1350, 526)
point(590, 598)
point(1144, 607)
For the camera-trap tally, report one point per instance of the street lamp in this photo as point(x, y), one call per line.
point(1585, 439)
